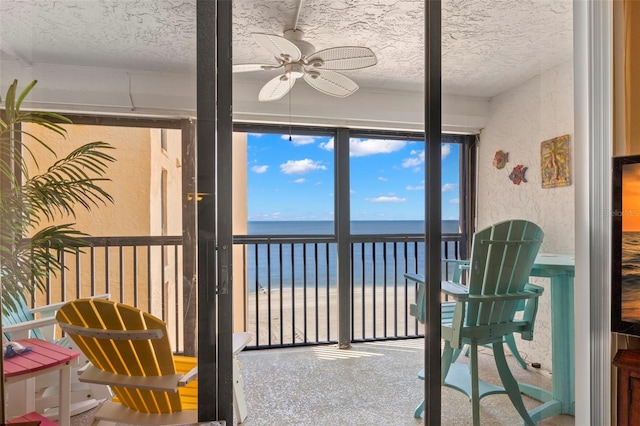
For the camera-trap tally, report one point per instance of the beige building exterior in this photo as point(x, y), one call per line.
point(145, 182)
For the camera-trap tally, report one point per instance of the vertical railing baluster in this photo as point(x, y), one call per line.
point(374, 273)
point(327, 285)
point(177, 315)
point(353, 293)
point(395, 289)
point(293, 294)
point(364, 321)
point(135, 276)
point(149, 290)
point(257, 297)
point(384, 288)
point(269, 290)
point(77, 252)
point(92, 270)
point(163, 290)
point(406, 289)
point(63, 275)
point(317, 293)
point(304, 291)
point(107, 284)
point(416, 251)
point(281, 295)
point(121, 273)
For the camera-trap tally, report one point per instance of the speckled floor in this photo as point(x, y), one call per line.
point(373, 383)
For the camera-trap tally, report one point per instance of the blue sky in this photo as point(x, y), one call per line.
point(293, 180)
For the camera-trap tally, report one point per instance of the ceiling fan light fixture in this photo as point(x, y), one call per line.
point(294, 70)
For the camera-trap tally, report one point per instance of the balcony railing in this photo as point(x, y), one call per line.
point(290, 283)
point(145, 272)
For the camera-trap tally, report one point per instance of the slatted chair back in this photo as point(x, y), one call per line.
point(125, 341)
point(501, 261)
point(19, 313)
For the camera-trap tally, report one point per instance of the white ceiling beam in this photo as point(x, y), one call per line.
point(7, 49)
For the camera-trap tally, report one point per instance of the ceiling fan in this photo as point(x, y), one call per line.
point(297, 58)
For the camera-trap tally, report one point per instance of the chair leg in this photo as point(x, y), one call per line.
point(511, 343)
point(475, 387)
point(240, 406)
point(448, 356)
point(510, 384)
point(419, 410)
point(457, 352)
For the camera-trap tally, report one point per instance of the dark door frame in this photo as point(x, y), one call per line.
point(214, 128)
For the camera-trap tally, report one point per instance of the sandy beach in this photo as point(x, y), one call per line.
point(312, 317)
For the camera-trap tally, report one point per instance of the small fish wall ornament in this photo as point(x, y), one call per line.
point(517, 174)
point(500, 159)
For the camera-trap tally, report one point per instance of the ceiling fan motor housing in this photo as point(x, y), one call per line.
point(295, 37)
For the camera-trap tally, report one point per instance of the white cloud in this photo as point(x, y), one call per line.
point(454, 201)
point(418, 156)
point(299, 140)
point(301, 180)
point(416, 188)
point(446, 150)
point(448, 187)
point(352, 191)
point(414, 161)
point(386, 199)
point(382, 179)
point(361, 148)
point(301, 166)
point(259, 169)
point(327, 146)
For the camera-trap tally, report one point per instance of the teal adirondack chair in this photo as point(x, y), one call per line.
point(448, 308)
point(23, 322)
point(484, 312)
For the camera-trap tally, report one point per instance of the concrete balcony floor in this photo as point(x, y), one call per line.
point(373, 383)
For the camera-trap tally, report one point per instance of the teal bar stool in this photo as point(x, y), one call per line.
point(483, 312)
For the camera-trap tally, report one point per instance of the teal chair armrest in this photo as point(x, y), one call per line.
point(531, 310)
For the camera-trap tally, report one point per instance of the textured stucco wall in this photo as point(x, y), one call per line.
point(129, 176)
point(520, 119)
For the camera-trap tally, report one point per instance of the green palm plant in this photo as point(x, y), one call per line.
point(27, 201)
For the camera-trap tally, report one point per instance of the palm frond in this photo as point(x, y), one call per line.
point(71, 182)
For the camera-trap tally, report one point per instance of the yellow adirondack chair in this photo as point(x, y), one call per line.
point(129, 350)
point(484, 312)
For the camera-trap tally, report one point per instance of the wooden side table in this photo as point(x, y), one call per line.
point(628, 364)
point(45, 357)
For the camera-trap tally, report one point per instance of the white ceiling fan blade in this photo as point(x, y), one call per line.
point(330, 82)
point(275, 88)
point(254, 67)
point(278, 46)
point(344, 58)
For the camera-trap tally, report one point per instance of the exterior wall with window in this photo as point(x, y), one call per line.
point(520, 119)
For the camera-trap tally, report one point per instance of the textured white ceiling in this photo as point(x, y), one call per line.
point(488, 45)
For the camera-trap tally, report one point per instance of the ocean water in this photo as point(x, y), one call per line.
point(275, 266)
point(631, 276)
